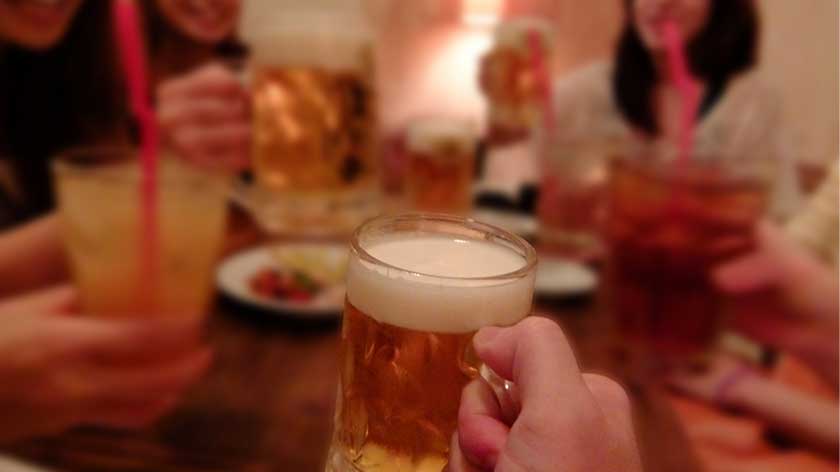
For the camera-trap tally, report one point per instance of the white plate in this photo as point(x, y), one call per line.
point(234, 275)
point(519, 224)
point(559, 278)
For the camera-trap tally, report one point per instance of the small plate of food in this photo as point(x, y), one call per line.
point(303, 280)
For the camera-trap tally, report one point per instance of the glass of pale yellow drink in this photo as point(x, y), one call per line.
point(100, 207)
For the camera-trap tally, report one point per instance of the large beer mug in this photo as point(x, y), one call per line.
point(314, 112)
point(418, 288)
point(509, 79)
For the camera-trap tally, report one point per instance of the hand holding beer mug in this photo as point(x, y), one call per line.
point(593, 430)
point(418, 288)
point(204, 116)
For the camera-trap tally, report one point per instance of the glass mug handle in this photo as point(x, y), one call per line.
point(507, 394)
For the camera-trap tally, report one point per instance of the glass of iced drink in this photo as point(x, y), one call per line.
point(99, 200)
point(314, 115)
point(441, 165)
point(669, 225)
point(418, 289)
point(572, 201)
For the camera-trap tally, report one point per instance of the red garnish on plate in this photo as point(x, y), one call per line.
point(285, 286)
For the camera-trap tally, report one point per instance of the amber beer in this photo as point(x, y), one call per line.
point(509, 80)
point(314, 115)
point(313, 128)
point(418, 289)
point(441, 165)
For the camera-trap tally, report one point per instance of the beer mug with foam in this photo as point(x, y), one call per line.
point(419, 287)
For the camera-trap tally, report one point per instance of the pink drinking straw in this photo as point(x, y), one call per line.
point(682, 78)
point(132, 52)
point(542, 74)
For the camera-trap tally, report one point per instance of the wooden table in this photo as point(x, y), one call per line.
point(267, 403)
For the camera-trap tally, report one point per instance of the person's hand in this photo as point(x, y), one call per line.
point(204, 117)
point(566, 420)
point(781, 296)
point(58, 371)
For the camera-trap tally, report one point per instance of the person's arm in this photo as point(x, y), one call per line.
point(730, 382)
point(31, 257)
point(59, 371)
point(801, 416)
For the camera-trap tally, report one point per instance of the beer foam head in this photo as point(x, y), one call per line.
point(440, 283)
point(332, 38)
point(428, 135)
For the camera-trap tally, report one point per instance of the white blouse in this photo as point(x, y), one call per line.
point(746, 120)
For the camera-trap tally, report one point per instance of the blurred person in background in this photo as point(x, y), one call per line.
point(57, 90)
point(203, 106)
point(634, 97)
point(184, 35)
point(592, 432)
point(60, 88)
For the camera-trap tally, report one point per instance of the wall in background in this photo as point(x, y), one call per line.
point(800, 58)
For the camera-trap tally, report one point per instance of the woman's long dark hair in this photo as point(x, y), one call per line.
point(726, 46)
point(69, 95)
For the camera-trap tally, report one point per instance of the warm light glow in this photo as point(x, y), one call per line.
point(482, 12)
point(443, 81)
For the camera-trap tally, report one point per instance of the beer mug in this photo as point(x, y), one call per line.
point(314, 113)
point(441, 165)
point(508, 77)
point(418, 288)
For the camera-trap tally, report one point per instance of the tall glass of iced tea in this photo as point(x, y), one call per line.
point(669, 225)
point(99, 202)
point(418, 288)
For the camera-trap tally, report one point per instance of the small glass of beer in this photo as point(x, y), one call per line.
point(99, 201)
point(418, 288)
point(669, 225)
point(314, 115)
point(441, 165)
